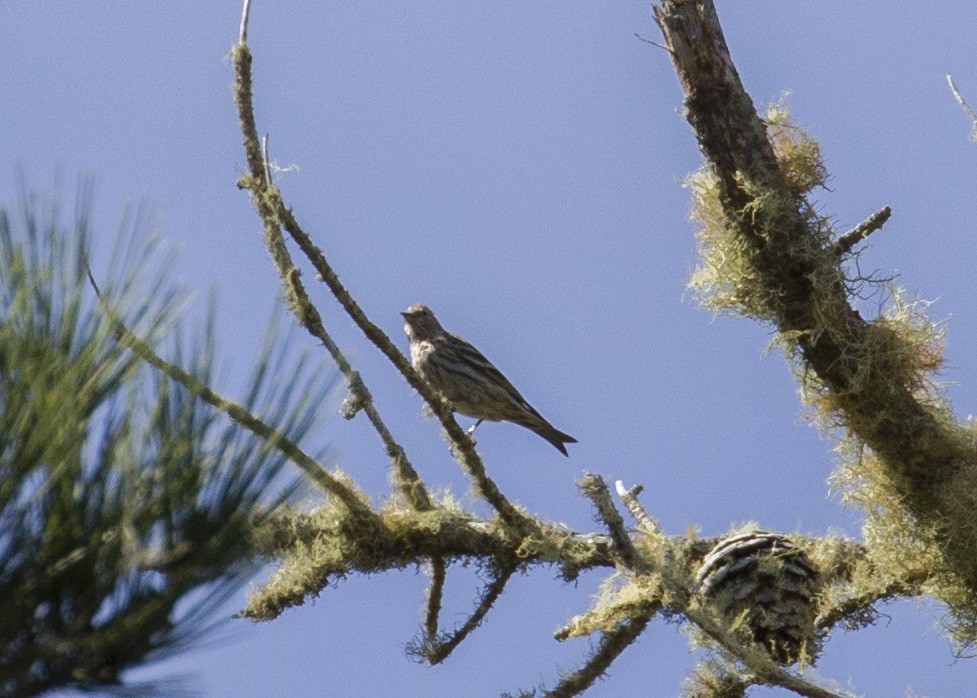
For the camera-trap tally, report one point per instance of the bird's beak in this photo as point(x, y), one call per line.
point(404, 315)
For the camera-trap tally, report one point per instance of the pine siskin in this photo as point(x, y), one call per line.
point(467, 380)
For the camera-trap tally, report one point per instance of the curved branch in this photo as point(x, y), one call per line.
point(268, 202)
point(276, 216)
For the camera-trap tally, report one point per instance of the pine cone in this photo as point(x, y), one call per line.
point(766, 581)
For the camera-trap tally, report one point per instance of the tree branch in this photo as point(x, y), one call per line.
point(435, 594)
point(645, 522)
point(609, 648)
point(275, 215)
point(846, 242)
point(273, 438)
point(438, 650)
point(595, 488)
point(756, 660)
point(968, 110)
point(927, 462)
point(323, 546)
point(267, 200)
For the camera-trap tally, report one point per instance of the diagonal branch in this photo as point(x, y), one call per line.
point(239, 414)
point(267, 200)
point(595, 488)
point(846, 242)
point(276, 215)
point(437, 651)
point(645, 522)
point(462, 445)
point(926, 459)
point(609, 648)
point(757, 661)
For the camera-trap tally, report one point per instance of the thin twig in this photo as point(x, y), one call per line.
point(966, 107)
point(609, 648)
point(245, 16)
point(653, 43)
point(595, 488)
point(266, 158)
point(239, 414)
point(406, 477)
point(435, 594)
point(645, 522)
point(267, 200)
point(440, 651)
point(274, 214)
point(846, 242)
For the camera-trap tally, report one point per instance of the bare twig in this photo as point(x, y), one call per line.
point(966, 107)
point(641, 517)
point(239, 414)
point(649, 41)
point(245, 16)
point(846, 242)
point(266, 158)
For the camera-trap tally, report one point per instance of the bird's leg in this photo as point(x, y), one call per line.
point(472, 428)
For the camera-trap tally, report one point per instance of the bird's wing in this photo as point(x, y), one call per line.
point(476, 367)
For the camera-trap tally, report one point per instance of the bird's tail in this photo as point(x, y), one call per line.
point(549, 432)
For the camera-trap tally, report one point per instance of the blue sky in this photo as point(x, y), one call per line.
point(518, 167)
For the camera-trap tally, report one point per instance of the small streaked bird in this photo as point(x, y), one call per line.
point(468, 381)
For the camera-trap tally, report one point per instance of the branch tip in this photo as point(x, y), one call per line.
point(595, 488)
point(641, 517)
point(245, 15)
point(846, 242)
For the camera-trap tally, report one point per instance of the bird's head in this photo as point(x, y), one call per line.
point(420, 323)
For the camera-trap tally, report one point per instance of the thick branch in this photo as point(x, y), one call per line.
point(802, 275)
point(323, 546)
